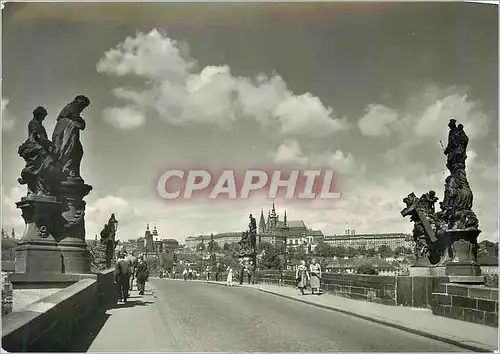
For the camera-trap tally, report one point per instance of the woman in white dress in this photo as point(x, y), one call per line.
point(229, 281)
point(315, 272)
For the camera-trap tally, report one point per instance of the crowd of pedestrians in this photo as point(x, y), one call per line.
point(127, 269)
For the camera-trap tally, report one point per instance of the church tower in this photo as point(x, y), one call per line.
point(274, 218)
point(262, 223)
point(148, 240)
point(284, 219)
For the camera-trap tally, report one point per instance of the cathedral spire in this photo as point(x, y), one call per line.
point(284, 218)
point(147, 227)
point(262, 222)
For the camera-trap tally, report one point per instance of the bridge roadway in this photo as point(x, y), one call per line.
point(178, 316)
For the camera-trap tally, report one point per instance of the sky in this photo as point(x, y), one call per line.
point(364, 89)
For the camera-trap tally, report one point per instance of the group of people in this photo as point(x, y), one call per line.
point(189, 274)
point(245, 269)
point(309, 277)
point(127, 269)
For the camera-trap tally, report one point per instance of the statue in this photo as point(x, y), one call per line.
point(108, 234)
point(457, 146)
point(40, 174)
point(447, 237)
point(66, 138)
point(252, 227)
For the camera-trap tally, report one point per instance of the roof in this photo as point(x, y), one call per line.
point(314, 233)
point(367, 236)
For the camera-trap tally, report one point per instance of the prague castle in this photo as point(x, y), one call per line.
point(272, 230)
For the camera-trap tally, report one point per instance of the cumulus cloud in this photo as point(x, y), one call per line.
point(181, 93)
point(290, 153)
point(124, 117)
point(98, 212)
point(7, 119)
point(426, 115)
point(377, 120)
point(11, 215)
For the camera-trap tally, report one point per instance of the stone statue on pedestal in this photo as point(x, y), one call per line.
point(108, 238)
point(448, 237)
point(40, 173)
point(54, 210)
point(66, 137)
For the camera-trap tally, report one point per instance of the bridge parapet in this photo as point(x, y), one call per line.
point(54, 322)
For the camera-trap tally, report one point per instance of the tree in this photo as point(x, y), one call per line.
point(367, 269)
point(300, 252)
point(384, 251)
point(370, 252)
point(323, 249)
point(352, 252)
point(270, 259)
point(264, 246)
point(399, 251)
point(167, 261)
point(339, 251)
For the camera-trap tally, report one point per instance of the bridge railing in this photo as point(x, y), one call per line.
point(54, 322)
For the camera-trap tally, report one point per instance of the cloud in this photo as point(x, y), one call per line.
point(98, 212)
point(290, 153)
point(7, 119)
point(425, 116)
point(377, 120)
point(11, 215)
point(123, 118)
point(181, 93)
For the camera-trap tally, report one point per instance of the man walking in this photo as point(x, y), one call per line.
point(250, 272)
point(141, 275)
point(122, 277)
point(132, 262)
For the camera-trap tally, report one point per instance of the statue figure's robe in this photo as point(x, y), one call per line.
point(66, 138)
point(39, 171)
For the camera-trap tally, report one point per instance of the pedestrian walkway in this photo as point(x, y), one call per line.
point(133, 327)
point(468, 335)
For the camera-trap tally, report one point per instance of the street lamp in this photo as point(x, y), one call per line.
point(285, 241)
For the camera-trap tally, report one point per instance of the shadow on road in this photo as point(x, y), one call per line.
point(91, 328)
point(89, 332)
point(132, 303)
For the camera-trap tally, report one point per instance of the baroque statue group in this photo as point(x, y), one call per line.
point(54, 209)
point(448, 237)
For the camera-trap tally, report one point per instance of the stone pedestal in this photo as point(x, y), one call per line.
point(71, 227)
point(37, 253)
point(464, 249)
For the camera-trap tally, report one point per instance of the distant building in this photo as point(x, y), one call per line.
point(296, 232)
point(273, 231)
point(153, 244)
point(370, 241)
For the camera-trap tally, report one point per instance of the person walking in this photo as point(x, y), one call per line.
point(185, 274)
point(229, 280)
point(141, 275)
point(122, 277)
point(302, 276)
point(132, 261)
point(315, 272)
point(250, 272)
point(242, 272)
